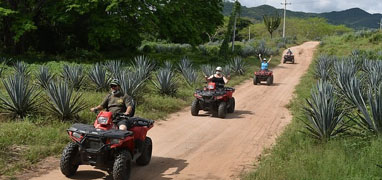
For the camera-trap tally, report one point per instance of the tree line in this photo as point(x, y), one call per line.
point(58, 26)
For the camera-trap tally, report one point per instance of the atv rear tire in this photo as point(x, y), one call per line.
point(222, 109)
point(122, 165)
point(269, 80)
point(145, 158)
point(292, 61)
point(231, 108)
point(70, 160)
point(195, 107)
point(254, 80)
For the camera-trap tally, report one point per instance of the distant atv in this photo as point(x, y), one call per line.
point(214, 98)
point(263, 75)
point(288, 57)
point(104, 146)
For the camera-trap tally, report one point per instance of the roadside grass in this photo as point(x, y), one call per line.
point(297, 156)
point(25, 142)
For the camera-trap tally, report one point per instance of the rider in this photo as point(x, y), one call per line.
point(117, 102)
point(264, 63)
point(289, 52)
point(218, 77)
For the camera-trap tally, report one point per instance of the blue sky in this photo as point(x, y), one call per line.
point(371, 6)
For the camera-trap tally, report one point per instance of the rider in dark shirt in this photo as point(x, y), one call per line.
point(218, 77)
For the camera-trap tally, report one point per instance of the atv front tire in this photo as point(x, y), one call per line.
point(70, 160)
point(231, 108)
point(122, 166)
point(195, 107)
point(145, 158)
point(222, 110)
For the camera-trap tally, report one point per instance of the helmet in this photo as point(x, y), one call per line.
point(115, 82)
point(219, 68)
point(264, 59)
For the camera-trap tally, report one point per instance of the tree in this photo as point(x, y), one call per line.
point(231, 28)
point(272, 22)
point(188, 21)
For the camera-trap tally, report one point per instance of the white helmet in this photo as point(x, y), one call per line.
point(219, 68)
point(264, 59)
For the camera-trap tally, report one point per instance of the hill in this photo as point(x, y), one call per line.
point(355, 18)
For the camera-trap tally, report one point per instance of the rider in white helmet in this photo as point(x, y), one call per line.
point(218, 77)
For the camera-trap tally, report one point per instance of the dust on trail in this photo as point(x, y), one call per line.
point(188, 147)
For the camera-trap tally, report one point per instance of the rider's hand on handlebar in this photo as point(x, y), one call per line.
point(92, 109)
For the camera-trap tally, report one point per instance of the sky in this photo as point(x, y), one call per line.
point(318, 6)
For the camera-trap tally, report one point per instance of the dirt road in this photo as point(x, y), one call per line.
point(187, 147)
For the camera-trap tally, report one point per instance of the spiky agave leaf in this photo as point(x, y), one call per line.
point(21, 99)
point(323, 67)
point(238, 65)
point(375, 103)
point(143, 66)
point(188, 72)
point(21, 68)
point(73, 75)
point(114, 67)
point(325, 118)
point(131, 82)
point(166, 83)
point(208, 70)
point(168, 65)
point(227, 70)
point(62, 102)
point(185, 63)
point(44, 77)
point(1, 71)
point(99, 77)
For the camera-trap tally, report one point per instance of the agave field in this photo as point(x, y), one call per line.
point(61, 94)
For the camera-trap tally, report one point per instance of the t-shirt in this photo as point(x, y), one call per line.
point(117, 103)
point(264, 66)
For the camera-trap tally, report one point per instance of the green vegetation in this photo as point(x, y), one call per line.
point(272, 22)
point(353, 155)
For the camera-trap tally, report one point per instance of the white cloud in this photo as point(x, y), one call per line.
point(371, 6)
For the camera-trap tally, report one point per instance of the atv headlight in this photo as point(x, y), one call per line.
point(76, 135)
point(115, 141)
point(102, 120)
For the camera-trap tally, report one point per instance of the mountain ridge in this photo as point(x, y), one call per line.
point(356, 18)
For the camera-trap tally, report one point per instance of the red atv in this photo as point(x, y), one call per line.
point(214, 98)
point(263, 75)
point(288, 57)
point(104, 146)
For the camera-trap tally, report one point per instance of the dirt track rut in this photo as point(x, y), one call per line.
point(187, 147)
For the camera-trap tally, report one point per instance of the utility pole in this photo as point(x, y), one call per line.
point(285, 4)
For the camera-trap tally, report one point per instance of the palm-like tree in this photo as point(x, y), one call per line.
point(272, 22)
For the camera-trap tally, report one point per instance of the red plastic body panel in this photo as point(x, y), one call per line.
point(109, 124)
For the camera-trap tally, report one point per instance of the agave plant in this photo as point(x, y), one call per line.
point(114, 67)
point(184, 64)
point(165, 83)
point(238, 65)
point(22, 98)
point(143, 66)
point(131, 82)
point(62, 102)
point(44, 77)
point(73, 75)
point(345, 76)
point(21, 68)
point(188, 72)
point(99, 77)
point(323, 67)
point(227, 70)
point(168, 65)
point(325, 118)
point(208, 70)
